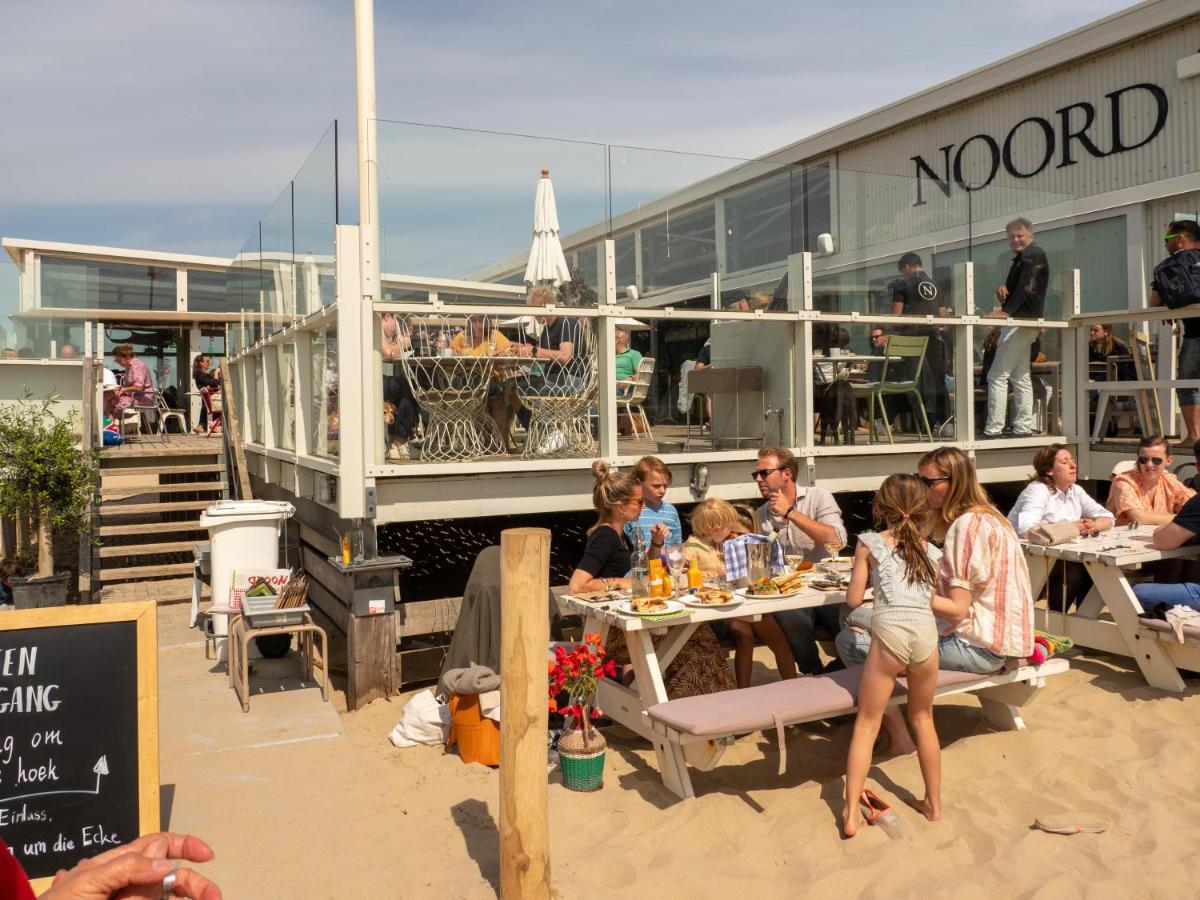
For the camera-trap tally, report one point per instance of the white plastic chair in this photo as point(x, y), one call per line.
point(639, 390)
point(165, 412)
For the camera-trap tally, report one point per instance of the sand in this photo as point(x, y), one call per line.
point(1099, 740)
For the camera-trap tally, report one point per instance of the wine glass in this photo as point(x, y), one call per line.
point(675, 559)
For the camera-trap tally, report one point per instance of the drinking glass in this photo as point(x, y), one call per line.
point(675, 558)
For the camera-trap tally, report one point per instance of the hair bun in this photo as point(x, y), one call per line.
point(600, 470)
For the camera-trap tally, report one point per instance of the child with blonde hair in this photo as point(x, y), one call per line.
point(900, 565)
point(713, 522)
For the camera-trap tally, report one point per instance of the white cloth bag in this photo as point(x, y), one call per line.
point(425, 720)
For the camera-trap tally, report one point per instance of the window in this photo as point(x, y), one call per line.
point(811, 214)
point(680, 249)
point(206, 291)
point(87, 284)
point(625, 251)
point(758, 225)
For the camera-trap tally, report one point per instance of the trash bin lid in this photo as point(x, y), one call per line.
point(235, 508)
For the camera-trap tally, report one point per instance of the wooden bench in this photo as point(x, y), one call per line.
point(715, 719)
point(1185, 655)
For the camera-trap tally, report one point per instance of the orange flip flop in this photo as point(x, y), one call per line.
point(877, 812)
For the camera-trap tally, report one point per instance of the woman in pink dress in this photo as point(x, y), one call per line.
point(137, 384)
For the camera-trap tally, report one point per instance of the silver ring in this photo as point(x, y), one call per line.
point(168, 886)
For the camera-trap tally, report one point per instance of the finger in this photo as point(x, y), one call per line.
point(124, 871)
point(192, 884)
point(169, 845)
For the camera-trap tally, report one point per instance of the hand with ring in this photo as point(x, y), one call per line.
point(139, 870)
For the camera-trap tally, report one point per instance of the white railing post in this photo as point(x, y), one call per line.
point(800, 296)
point(964, 362)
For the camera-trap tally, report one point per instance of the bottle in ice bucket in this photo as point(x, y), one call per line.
point(639, 571)
point(695, 577)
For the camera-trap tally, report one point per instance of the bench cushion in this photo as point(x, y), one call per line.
point(804, 699)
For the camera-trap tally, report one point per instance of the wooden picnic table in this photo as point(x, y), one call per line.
point(1110, 558)
point(628, 705)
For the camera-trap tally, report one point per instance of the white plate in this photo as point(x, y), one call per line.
point(672, 607)
point(746, 595)
point(687, 600)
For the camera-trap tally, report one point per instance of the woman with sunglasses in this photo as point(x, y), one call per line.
point(701, 666)
point(1053, 495)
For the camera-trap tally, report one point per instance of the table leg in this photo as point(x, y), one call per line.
point(651, 691)
point(1155, 663)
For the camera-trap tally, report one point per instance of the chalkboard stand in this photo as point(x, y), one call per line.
point(29, 627)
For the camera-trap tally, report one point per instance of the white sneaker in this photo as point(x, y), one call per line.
point(398, 452)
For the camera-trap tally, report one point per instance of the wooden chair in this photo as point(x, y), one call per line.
point(639, 389)
point(906, 348)
point(1149, 412)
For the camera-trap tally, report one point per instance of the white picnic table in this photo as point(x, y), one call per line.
point(628, 705)
point(1110, 558)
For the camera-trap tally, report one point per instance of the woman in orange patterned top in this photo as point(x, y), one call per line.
point(1148, 494)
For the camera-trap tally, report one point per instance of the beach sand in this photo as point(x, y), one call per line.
point(1099, 740)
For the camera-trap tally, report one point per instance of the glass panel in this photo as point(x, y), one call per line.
point(1101, 258)
point(256, 412)
point(588, 266)
point(679, 250)
point(37, 337)
point(285, 416)
point(459, 204)
point(87, 284)
point(758, 224)
point(208, 291)
point(1042, 348)
point(324, 428)
point(625, 251)
point(738, 386)
point(279, 298)
point(244, 281)
point(315, 217)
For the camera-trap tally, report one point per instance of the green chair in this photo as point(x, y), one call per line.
point(898, 350)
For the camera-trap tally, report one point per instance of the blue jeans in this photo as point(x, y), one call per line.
point(799, 625)
point(954, 654)
point(1189, 367)
point(1185, 593)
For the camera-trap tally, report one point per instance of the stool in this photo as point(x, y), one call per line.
point(240, 634)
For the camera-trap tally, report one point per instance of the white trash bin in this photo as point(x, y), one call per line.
point(244, 534)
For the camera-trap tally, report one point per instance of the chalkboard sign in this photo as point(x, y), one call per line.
point(78, 732)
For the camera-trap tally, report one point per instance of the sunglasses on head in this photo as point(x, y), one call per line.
point(1146, 460)
point(1171, 237)
point(763, 473)
point(930, 482)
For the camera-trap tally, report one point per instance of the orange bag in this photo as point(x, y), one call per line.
point(477, 736)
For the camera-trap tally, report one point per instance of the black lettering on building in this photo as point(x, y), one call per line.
point(943, 183)
point(1114, 101)
point(1048, 134)
point(993, 149)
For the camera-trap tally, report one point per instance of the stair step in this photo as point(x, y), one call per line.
point(117, 493)
point(146, 549)
point(136, 572)
point(133, 508)
point(170, 590)
point(161, 470)
point(151, 528)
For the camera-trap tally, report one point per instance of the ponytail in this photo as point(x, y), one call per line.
point(902, 505)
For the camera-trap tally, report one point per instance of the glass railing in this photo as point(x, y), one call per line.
point(285, 269)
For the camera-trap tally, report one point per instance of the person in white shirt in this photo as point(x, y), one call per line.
point(1054, 496)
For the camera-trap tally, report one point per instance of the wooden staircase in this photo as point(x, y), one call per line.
point(152, 491)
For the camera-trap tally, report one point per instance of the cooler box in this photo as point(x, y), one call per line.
point(244, 534)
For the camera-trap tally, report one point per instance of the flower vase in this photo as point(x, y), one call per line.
point(581, 755)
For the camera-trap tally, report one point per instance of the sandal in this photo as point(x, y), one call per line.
point(876, 812)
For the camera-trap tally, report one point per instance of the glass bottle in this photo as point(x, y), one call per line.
point(639, 569)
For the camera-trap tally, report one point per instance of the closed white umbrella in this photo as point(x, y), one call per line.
point(547, 264)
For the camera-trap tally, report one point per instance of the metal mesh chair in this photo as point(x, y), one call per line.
point(559, 395)
point(451, 389)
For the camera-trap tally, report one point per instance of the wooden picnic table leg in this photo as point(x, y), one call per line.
point(651, 691)
point(1151, 657)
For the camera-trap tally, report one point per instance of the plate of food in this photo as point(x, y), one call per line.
point(775, 588)
point(840, 565)
point(710, 598)
point(649, 606)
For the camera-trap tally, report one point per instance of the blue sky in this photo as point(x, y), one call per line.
point(174, 125)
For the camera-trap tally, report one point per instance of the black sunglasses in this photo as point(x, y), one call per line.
point(930, 482)
point(763, 473)
point(1146, 460)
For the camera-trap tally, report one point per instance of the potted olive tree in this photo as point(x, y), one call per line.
point(45, 478)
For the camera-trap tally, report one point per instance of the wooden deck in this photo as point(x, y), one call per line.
point(156, 445)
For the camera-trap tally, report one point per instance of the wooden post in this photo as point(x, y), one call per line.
point(524, 639)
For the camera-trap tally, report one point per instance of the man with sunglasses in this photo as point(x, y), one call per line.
point(1176, 283)
point(806, 520)
point(1148, 494)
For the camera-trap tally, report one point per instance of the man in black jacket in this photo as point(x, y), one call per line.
point(914, 293)
point(1172, 287)
point(1022, 296)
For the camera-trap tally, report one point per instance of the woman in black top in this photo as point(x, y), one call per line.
point(617, 497)
point(204, 382)
point(701, 666)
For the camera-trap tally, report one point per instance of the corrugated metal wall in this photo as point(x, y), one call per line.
point(1161, 212)
point(1173, 152)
